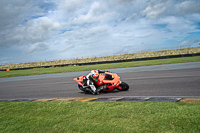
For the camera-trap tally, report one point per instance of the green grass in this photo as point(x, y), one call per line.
point(113, 117)
point(13, 73)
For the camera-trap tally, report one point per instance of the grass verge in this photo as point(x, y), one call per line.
point(98, 66)
point(99, 117)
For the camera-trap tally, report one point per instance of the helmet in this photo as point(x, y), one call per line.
point(94, 74)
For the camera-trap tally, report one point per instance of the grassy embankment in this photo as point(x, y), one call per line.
point(98, 117)
point(99, 66)
point(192, 50)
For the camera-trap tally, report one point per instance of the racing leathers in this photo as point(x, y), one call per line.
point(89, 82)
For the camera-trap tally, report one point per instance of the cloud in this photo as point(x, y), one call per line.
point(191, 6)
point(154, 11)
point(13, 13)
point(34, 31)
point(189, 42)
point(68, 47)
point(37, 48)
point(70, 6)
point(24, 22)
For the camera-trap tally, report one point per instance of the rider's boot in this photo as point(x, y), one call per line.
point(101, 88)
point(93, 89)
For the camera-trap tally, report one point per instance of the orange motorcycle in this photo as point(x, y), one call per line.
point(111, 80)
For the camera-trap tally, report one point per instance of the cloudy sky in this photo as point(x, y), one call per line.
point(39, 30)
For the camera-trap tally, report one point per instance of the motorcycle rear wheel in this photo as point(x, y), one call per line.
point(124, 86)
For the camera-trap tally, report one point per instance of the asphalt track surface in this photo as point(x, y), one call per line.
point(173, 80)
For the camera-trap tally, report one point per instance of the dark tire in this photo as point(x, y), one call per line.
point(81, 88)
point(124, 86)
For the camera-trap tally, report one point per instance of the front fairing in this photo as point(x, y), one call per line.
point(79, 80)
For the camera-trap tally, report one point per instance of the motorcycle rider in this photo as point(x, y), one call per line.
point(90, 79)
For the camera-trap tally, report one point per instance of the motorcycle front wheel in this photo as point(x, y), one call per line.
point(124, 86)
